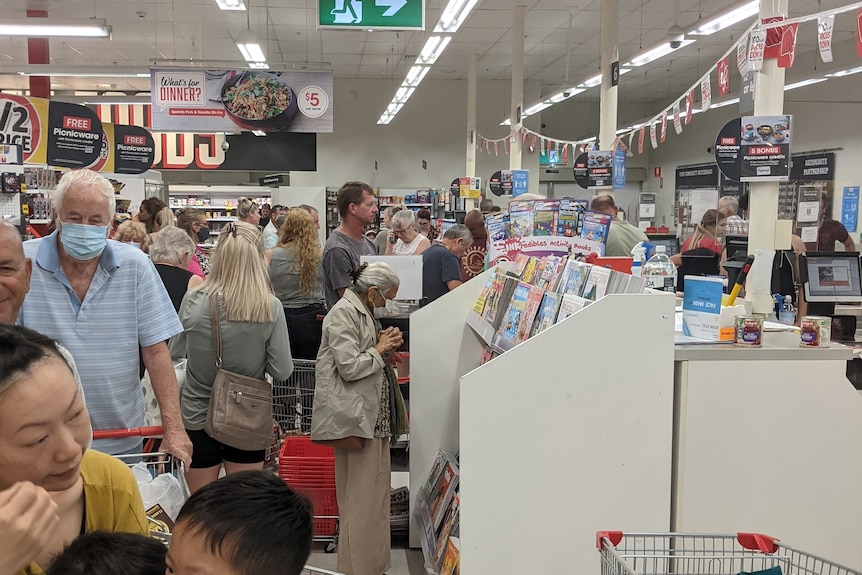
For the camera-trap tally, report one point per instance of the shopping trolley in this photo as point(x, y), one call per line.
point(292, 399)
point(156, 463)
point(699, 554)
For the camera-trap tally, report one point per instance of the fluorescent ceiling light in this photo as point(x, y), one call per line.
point(258, 65)
point(724, 103)
point(250, 48)
point(802, 83)
point(80, 71)
point(842, 73)
point(434, 47)
point(454, 15)
point(654, 54)
point(593, 81)
point(385, 119)
point(403, 94)
point(728, 19)
point(231, 4)
point(43, 27)
point(506, 122)
point(393, 108)
point(536, 108)
point(415, 76)
point(563, 95)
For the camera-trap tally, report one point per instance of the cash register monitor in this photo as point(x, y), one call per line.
point(736, 247)
point(832, 277)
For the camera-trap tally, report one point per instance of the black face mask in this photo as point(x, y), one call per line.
point(203, 234)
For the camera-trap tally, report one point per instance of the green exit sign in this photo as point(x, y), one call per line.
point(371, 14)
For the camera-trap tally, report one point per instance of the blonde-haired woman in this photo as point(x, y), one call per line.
point(254, 342)
point(194, 223)
point(248, 211)
point(296, 273)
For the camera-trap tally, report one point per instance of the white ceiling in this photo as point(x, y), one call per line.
point(154, 32)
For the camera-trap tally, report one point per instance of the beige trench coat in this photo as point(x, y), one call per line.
point(349, 373)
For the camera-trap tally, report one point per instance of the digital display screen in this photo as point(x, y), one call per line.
point(833, 277)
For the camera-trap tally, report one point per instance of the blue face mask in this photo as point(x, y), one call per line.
point(81, 241)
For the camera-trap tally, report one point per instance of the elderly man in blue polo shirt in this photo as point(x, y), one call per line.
point(103, 300)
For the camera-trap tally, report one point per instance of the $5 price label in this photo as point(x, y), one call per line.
point(313, 101)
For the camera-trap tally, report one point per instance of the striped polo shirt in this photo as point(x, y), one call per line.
point(126, 307)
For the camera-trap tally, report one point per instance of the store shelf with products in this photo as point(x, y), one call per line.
point(546, 440)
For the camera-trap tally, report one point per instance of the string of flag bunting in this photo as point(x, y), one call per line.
point(772, 38)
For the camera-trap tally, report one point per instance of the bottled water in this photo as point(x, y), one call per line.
point(659, 272)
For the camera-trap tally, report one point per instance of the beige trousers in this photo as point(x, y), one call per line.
point(363, 481)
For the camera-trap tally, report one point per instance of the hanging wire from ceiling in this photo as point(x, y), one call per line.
point(568, 51)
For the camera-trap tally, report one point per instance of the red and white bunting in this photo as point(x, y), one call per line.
point(705, 94)
point(533, 143)
point(641, 141)
point(859, 33)
point(756, 50)
point(496, 148)
point(526, 135)
point(564, 155)
point(824, 37)
point(631, 137)
point(742, 57)
point(773, 37)
point(506, 146)
point(689, 106)
point(723, 76)
point(677, 120)
point(787, 53)
point(663, 134)
point(653, 137)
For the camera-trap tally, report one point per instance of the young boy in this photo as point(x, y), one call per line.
point(247, 523)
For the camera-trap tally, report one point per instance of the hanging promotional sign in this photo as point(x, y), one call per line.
point(746, 95)
point(813, 167)
point(501, 185)
point(787, 51)
point(705, 93)
point(824, 37)
point(581, 173)
point(641, 141)
point(742, 57)
point(689, 106)
point(663, 133)
point(194, 100)
point(723, 76)
point(653, 138)
point(765, 153)
point(850, 207)
point(600, 169)
point(772, 43)
point(727, 148)
point(756, 50)
point(677, 120)
point(131, 149)
point(859, 33)
point(22, 122)
point(698, 176)
point(619, 169)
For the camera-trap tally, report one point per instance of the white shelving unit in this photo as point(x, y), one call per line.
point(557, 440)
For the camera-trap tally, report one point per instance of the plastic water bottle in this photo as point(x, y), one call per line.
point(659, 272)
point(638, 253)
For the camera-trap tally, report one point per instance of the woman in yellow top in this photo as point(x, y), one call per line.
point(52, 487)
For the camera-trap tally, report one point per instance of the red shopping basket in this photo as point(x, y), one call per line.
point(301, 446)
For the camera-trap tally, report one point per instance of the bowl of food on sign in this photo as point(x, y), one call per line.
point(780, 127)
point(764, 131)
point(778, 137)
point(259, 101)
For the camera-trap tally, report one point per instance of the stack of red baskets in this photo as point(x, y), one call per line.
point(310, 469)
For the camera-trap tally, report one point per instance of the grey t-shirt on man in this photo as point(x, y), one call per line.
point(341, 255)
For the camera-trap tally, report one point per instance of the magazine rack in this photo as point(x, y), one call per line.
point(566, 431)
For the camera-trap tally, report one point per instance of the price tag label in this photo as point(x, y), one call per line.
point(313, 101)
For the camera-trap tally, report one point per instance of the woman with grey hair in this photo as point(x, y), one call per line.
point(404, 237)
point(171, 250)
point(357, 409)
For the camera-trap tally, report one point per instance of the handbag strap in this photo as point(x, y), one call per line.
point(215, 326)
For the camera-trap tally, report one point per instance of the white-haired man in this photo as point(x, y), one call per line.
point(104, 301)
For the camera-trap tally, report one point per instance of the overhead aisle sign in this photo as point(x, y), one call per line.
point(376, 14)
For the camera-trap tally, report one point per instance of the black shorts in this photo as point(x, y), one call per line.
point(207, 452)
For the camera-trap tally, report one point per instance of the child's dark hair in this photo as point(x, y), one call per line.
point(254, 521)
point(20, 350)
point(103, 553)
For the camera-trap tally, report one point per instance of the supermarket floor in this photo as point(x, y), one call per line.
point(405, 561)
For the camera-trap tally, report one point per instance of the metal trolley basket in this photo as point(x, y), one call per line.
point(292, 399)
point(699, 554)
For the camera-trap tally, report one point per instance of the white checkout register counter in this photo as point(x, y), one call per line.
point(769, 440)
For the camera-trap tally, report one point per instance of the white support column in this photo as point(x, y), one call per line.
point(471, 118)
point(763, 199)
point(610, 54)
point(517, 85)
